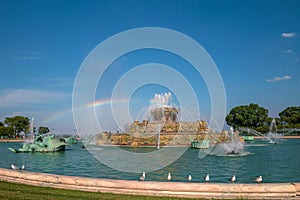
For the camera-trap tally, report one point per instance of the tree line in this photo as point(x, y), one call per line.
point(13, 126)
point(256, 117)
point(248, 116)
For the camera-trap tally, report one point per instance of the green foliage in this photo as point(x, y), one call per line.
point(19, 123)
point(252, 116)
point(7, 131)
point(43, 130)
point(291, 115)
point(12, 126)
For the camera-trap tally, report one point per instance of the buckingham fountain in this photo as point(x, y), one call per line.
point(161, 124)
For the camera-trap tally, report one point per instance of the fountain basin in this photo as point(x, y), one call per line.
point(202, 144)
point(248, 138)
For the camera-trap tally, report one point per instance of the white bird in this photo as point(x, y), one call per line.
point(206, 178)
point(14, 167)
point(142, 178)
point(169, 176)
point(23, 167)
point(190, 178)
point(233, 178)
point(258, 179)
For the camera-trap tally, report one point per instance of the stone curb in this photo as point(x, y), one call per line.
point(178, 189)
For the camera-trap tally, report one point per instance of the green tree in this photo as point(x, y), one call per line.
point(7, 131)
point(291, 115)
point(19, 123)
point(43, 130)
point(251, 116)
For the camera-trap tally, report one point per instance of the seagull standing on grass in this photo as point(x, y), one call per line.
point(189, 178)
point(258, 179)
point(206, 178)
point(169, 177)
point(233, 178)
point(142, 178)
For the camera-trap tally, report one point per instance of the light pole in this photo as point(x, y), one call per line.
point(283, 123)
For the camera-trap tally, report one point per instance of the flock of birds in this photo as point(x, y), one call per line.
point(169, 177)
point(18, 168)
point(258, 179)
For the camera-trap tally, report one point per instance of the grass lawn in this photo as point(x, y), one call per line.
point(20, 191)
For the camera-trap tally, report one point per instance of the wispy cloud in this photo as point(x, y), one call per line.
point(24, 97)
point(287, 51)
point(288, 35)
point(20, 58)
point(286, 77)
point(56, 82)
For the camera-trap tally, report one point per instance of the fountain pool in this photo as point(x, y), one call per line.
point(276, 163)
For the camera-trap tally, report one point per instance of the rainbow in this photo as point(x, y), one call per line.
point(68, 112)
point(104, 103)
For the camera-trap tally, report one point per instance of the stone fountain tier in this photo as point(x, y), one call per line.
point(168, 127)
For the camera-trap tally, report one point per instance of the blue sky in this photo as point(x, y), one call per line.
point(255, 45)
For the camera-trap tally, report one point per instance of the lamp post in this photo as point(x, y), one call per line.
point(283, 123)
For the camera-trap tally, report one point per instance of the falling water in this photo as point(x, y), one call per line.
point(232, 147)
point(274, 135)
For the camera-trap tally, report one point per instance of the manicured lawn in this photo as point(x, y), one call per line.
point(19, 191)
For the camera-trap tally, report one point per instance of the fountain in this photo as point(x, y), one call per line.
point(42, 143)
point(232, 146)
point(264, 137)
point(274, 135)
point(159, 124)
point(158, 136)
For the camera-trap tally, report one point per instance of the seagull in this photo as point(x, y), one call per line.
point(14, 167)
point(142, 178)
point(258, 179)
point(23, 167)
point(189, 178)
point(169, 176)
point(233, 178)
point(206, 178)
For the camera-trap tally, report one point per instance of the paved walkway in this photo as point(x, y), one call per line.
point(178, 189)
